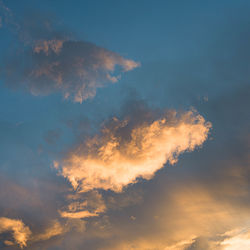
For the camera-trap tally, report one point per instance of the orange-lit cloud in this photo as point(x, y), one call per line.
point(116, 158)
point(20, 232)
point(237, 239)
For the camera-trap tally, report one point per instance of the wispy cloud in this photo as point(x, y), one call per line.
point(54, 229)
point(91, 205)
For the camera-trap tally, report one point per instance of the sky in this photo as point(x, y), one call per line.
point(124, 125)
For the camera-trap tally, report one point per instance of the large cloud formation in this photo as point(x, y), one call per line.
point(125, 150)
point(21, 233)
point(48, 60)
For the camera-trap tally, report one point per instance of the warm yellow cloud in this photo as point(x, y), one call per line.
point(121, 154)
point(21, 233)
point(238, 239)
point(78, 215)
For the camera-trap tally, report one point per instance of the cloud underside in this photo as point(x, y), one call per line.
point(194, 220)
point(74, 68)
point(124, 152)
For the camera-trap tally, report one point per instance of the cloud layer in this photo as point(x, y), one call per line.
point(125, 151)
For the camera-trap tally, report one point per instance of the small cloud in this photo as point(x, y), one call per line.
point(77, 215)
point(9, 243)
point(237, 239)
point(132, 217)
point(92, 205)
point(20, 232)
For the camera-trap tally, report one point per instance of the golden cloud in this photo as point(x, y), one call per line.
point(121, 154)
point(237, 239)
point(21, 233)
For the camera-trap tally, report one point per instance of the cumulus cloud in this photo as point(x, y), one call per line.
point(125, 150)
point(21, 233)
point(54, 62)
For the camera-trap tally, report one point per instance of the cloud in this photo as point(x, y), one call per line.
point(21, 233)
point(90, 206)
point(55, 62)
point(75, 68)
point(56, 229)
point(125, 151)
point(189, 218)
point(237, 239)
point(53, 230)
